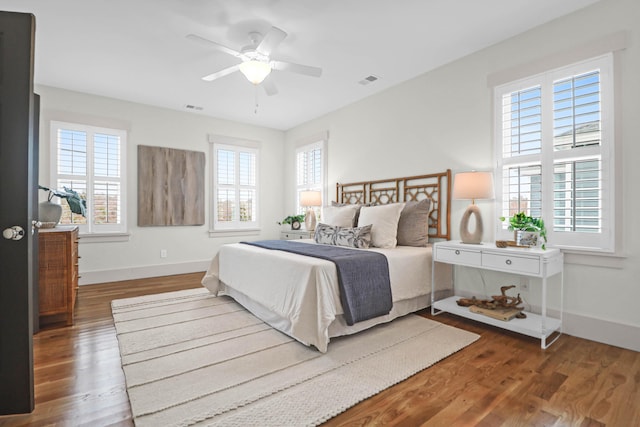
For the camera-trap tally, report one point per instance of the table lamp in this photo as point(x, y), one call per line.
point(309, 200)
point(474, 186)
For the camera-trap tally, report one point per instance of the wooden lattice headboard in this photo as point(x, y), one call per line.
point(435, 186)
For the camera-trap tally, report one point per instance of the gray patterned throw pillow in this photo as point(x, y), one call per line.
point(354, 237)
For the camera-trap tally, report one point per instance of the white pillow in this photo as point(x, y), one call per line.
point(384, 221)
point(339, 216)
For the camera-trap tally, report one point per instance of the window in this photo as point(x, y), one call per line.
point(310, 171)
point(554, 145)
point(235, 184)
point(91, 160)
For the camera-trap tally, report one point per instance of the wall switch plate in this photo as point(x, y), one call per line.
point(163, 253)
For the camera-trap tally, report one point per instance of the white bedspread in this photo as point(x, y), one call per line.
point(299, 295)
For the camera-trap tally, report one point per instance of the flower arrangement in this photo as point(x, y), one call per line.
point(523, 222)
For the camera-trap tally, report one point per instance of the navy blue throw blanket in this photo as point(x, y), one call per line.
point(363, 277)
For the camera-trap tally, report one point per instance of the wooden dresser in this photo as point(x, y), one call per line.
point(58, 269)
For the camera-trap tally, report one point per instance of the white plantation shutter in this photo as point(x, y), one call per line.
point(71, 167)
point(310, 165)
point(226, 185)
point(556, 153)
point(72, 152)
point(522, 122)
point(577, 133)
point(576, 111)
point(577, 196)
point(90, 160)
point(247, 184)
point(522, 190)
point(235, 183)
point(521, 147)
point(107, 195)
point(106, 202)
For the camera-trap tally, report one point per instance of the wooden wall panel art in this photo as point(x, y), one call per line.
point(170, 186)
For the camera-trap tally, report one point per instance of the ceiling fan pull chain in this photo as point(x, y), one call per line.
point(255, 111)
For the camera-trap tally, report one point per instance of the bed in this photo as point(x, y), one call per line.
point(299, 295)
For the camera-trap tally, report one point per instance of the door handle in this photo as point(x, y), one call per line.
point(13, 233)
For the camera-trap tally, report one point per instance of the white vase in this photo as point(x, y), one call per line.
point(49, 212)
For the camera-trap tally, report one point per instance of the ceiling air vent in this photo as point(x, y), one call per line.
point(368, 79)
point(193, 107)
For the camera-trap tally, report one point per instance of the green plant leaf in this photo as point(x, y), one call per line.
point(77, 204)
point(292, 218)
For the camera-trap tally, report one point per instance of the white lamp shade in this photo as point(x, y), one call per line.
point(310, 198)
point(255, 71)
point(473, 185)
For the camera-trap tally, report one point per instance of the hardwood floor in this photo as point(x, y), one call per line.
point(503, 379)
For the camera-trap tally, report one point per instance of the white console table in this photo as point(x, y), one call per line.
point(528, 262)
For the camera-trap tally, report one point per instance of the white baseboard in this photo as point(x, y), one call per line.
point(142, 272)
point(604, 331)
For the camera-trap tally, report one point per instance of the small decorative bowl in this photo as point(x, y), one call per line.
point(502, 243)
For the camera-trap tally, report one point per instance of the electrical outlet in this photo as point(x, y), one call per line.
point(163, 253)
point(524, 284)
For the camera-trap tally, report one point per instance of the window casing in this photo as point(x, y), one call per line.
point(310, 172)
point(92, 161)
point(235, 185)
point(554, 146)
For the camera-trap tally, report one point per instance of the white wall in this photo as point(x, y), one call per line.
point(443, 119)
point(189, 248)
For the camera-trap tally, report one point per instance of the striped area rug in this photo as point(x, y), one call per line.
point(190, 358)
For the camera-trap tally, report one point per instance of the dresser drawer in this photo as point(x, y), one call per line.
point(293, 235)
point(514, 263)
point(458, 256)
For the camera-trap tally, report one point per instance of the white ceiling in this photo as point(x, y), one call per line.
point(136, 50)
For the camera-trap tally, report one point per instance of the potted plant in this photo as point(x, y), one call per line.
point(293, 220)
point(521, 223)
point(51, 212)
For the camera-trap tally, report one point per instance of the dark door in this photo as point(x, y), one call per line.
point(18, 182)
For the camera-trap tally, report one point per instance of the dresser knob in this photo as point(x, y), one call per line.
point(457, 252)
point(508, 262)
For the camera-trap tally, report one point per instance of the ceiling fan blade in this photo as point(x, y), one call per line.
point(269, 86)
point(307, 70)
point(221, 73)
point(214, 45)
point(271, 40)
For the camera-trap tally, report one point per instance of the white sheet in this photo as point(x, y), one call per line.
point(299, 295)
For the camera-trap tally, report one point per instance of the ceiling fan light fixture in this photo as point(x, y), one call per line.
point(255, 71)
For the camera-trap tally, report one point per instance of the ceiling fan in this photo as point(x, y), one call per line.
point(256, 59)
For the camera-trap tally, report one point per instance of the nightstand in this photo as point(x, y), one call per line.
point(529, 262)
point(296, 234)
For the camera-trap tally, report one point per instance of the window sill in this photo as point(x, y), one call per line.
point(233, 233)
point(104, 237)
